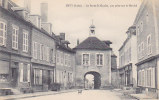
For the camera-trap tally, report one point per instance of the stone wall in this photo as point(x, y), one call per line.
point(104, 71)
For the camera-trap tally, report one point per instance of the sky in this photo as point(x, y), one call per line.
point(111, 22)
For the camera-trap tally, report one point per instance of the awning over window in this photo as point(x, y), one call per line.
point(4, 67)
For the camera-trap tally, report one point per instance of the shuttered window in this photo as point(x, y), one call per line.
point(3, 33)
point(41, 52)
point(25, 41)
point(15, 33)
point(28, 72)
point(146, 77)
point(86, 59)
point(61, 58)
point(99, 59)
point(21, 71)
point(153, 77)
point(35, 47)
point(58, 57)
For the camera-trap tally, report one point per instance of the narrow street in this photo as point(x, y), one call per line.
point(85, 95)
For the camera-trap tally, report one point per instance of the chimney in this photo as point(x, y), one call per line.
point(44, 12)
point(77, 41)
point(107, 42)
point(47, 27)
point(21, 11)
point(131, 30)
point(62, 36)
point(4, 4)
point(36, 20)
point(27, 5)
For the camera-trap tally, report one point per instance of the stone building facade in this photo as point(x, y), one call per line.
point(147, 26)
point(15, 44)
point(43, 59)
point(128, 59)
point(93, 56)
point(43, 54)
point(65, 63)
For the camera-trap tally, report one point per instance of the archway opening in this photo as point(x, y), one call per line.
point(92, 80)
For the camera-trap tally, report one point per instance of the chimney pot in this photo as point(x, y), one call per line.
point(62, 36)
point(77, 41)
point(4, 4)
point(27, 5)
point(44, 12)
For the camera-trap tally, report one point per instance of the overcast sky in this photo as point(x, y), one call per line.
point(111, 22)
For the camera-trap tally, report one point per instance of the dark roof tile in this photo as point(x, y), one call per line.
point(93, 43)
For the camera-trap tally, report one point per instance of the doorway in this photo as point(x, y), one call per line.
point(92, 80)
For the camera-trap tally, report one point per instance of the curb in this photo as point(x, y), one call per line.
point(133, 96)
point(13, 98)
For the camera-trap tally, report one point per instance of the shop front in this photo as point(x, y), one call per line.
point(42, 77)
point(125, 74)
point(4, 74)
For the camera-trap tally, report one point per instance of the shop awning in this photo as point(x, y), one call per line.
point(4, 67)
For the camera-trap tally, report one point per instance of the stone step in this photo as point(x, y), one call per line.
point(15, 91)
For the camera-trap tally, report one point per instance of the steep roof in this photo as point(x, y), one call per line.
point(93, 43)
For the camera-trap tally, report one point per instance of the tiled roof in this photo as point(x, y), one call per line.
point(62, 46)
point(93, 43)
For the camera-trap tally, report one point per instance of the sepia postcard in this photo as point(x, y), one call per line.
point(79, 49)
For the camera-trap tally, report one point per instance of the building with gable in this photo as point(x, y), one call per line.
point(127, 60)
point(93, 56)
point(147, 33)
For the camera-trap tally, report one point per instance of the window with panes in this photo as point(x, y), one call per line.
point(25, 41)
point(15, 37)
point(85, 59)
point(58, 57)
point(35, 47)
point(3, 33)
point(99, 58)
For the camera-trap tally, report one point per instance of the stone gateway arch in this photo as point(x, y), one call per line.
point(97, 80)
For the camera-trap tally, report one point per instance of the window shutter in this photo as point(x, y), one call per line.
point(28, 73)
point(34, 76)
point(40, 80)
point(145, 77)
point(57, 76)
point(153, 77)
point(5, 35)
point(79, 59)
point(141, 77)
point(21, 72)
point(33, 46)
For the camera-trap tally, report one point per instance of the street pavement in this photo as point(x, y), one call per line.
point(85, 95)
